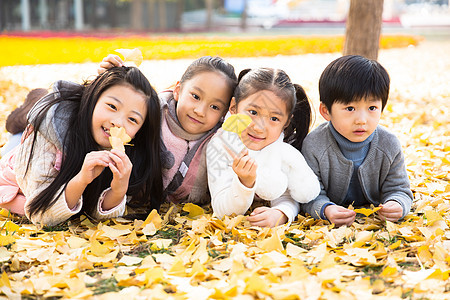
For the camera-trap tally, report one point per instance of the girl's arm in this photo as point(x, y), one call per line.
point(42, 170)
point(228, 194)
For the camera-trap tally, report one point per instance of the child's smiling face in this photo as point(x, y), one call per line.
point(120, 106)
point(269, 118)
point(202, 101)
point(356, 120)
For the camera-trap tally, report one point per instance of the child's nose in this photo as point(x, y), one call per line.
point(200, 110)
point(117, 123)
point(258, 125)
point(361, 118)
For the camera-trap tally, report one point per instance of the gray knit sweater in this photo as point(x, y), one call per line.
point(382, 175)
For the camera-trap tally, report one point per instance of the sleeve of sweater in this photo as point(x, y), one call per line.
point(311, 153)
point(287, 205)
point(42, 171)
point(396, 186)
point(228, 194)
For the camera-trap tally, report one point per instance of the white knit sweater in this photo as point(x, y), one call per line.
point(282, 177)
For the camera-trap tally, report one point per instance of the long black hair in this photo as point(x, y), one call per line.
point(145, 185)
point(277, 81)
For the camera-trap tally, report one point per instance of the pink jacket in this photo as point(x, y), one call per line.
point(11, 197)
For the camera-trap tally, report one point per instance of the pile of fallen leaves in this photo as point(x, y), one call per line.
point(186, 253)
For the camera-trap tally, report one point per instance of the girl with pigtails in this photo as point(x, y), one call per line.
point(263, 161)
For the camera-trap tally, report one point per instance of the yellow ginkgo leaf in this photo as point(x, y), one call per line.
point(131, 55)
point(367, 211)
point(193, 210)
point(432, 216)
point(237, 123)
point(118, 138)
point(7, 239)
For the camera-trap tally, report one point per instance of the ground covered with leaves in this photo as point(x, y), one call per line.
point(187, 253)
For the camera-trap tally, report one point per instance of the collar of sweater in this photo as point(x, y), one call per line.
point(174, 123)
point(351, 150)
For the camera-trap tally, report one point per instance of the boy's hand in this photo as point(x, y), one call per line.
point(267, 217)
point(391, 211)
point(339, 215)
point(108, 62)
point(245, 168)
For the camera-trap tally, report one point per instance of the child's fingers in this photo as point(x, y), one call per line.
point(97, 158)
point(244, 162)
point(121, 160)
point(259, 210)
point(390, 206)
point(230, 152)
point(114, 60)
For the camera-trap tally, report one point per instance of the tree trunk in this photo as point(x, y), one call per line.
point(179, 16)
point(362, 36)
point(136, 15)
point(162, 15)
point(151, 14)
point(112, 13)
point(244, 16)
point(209, 14)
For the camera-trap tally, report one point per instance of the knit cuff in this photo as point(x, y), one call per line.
point(113, 212)
point(322, 210)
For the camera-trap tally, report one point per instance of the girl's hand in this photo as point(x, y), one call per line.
point(94, 164)
point(267, 217)
point(108, 62)
point(339, 215)
point(245, 168)
point(121, 167)
point(391, 211)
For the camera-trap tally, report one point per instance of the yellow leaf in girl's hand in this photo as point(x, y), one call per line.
point(118, 138)
point(237, 123)
point(131, 55)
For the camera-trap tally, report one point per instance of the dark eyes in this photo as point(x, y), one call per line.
point(253, 112)
point(112, 106)
point(351, 108)
point(196, 97)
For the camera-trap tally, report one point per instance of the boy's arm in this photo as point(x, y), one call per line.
point(396, 186)
point(317, 206)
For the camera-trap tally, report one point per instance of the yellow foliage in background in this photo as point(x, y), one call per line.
point(51, 50)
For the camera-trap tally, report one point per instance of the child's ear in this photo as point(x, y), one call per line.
point(233, 106)
point(324, 112)
point(176, 91)
point(288, 122)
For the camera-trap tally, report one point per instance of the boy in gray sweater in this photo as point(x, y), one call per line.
point(356, 160)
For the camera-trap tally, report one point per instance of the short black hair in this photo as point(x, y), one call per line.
point(351, 78)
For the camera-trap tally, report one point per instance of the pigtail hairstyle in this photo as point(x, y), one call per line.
point(145, 185)
point(277, 81)
point(298, 128)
